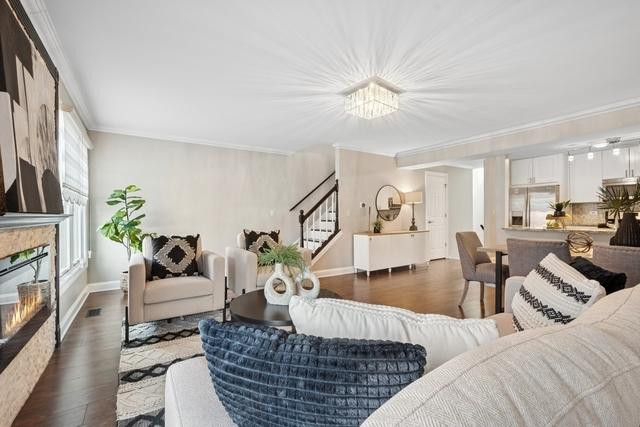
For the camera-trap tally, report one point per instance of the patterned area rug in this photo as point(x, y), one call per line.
point(152, 348)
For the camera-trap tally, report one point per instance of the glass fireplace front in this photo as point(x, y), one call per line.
point(25, 295)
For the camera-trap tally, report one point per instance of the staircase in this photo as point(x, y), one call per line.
point(319, 225)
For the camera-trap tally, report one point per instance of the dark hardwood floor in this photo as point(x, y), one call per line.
point(78, 387)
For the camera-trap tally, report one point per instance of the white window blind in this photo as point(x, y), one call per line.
point(75, 162)
point(74, 171)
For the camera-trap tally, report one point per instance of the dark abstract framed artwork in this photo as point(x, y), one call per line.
point(29, 176)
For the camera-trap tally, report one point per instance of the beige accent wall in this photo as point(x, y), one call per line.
point(192, 189)
point(20, 377)
point(496, 194)
point(361, 175)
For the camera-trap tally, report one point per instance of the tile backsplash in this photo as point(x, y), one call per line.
point(586, 214)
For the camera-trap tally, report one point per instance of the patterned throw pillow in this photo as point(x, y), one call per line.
point(267, 377)
point(553, 293)
point(174, 256)
point(258, 241)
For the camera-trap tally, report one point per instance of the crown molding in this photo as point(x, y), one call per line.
point(362, 150)
point(609, 108)
point(197, 141)
point(37, 11)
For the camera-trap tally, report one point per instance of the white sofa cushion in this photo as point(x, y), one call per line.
point(553, 293)
point(583, 373)
point(190, 400)
point(443, 337)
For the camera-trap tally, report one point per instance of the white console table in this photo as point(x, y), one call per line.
point(377, 251)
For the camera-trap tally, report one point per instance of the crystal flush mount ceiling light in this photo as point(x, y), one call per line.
point(371, 99)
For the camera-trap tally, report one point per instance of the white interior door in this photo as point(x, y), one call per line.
point(436, 213)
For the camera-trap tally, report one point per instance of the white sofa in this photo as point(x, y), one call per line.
point(243, 272)
point(583, 373)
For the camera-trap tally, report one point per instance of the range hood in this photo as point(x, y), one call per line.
point(620, 182)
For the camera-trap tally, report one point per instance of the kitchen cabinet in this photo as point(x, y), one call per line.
point(521, 171)
point(585, 177)
point(546, 169)
point(634, 160)
point(538, 170)
point(615, 166)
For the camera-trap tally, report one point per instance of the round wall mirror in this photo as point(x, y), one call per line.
point(388, 202)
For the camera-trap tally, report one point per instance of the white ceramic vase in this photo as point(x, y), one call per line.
point(273, 296)
point(311, 276)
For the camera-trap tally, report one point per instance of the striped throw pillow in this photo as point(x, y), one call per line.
point(554, 293)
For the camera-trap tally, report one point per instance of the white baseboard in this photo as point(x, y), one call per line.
point(71, 314)
point(334, 271)
point(104, 286)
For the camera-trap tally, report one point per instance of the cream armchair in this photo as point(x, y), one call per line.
point(243, 272)
point(175, 296)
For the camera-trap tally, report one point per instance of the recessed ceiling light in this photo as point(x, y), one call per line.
point(616, 152)
point(571, 157)
point(590, 155)
point(371, 98)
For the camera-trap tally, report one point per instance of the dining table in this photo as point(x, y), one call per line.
point(500, 250)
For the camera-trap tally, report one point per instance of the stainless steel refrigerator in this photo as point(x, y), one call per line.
point(529, 206)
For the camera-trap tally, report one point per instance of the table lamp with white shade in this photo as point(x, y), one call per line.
point(413, 198)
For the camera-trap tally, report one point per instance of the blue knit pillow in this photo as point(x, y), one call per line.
point(267, 377)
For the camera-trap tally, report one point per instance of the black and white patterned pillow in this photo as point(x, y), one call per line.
point(259, 241)
point(174, 256)
point(553, 293)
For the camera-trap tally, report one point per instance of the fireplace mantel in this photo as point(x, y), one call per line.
point(21, 220)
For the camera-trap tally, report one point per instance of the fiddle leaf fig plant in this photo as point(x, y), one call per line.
point(124, 225)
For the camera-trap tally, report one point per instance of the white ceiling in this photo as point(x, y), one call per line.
point(266, 74)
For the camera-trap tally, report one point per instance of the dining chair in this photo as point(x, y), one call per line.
point(525, 255)
point(476, 265)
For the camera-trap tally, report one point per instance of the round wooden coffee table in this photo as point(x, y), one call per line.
point(252, 307)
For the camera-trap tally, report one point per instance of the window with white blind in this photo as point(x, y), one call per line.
point(74, 173)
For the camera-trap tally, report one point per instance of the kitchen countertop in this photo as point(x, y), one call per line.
point(569, 229)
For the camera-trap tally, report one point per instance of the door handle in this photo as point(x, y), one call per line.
point(429, 222)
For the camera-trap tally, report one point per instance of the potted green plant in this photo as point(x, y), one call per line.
point(124, 225)
point(281, 256)
point(618, 200)
point(559, 209)
point(377, 225)
point(34, 286)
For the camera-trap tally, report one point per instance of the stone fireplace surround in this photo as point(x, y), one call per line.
point(21, 375)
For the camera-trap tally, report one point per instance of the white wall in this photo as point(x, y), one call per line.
point(460, 195)
point(361, 175)
point(192, 189)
